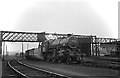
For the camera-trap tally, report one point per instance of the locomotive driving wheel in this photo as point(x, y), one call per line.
point(68, 60)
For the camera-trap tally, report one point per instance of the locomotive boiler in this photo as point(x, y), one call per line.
point(58, 50)
point(71, 42)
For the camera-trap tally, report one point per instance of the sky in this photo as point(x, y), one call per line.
point(83, 17)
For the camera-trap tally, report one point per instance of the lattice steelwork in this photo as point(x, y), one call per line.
point(32, 37)
point(20, 36)
point(55, 35)
point(105, 40)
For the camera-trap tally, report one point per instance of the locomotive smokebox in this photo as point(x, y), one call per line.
point(73, 42)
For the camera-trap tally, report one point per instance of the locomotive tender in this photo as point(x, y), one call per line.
point(57, 50)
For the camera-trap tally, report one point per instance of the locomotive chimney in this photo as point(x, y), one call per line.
point(69, 35)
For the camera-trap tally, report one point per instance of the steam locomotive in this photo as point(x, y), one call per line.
point(57, 50)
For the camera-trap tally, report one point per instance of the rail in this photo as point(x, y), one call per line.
point(49, 73)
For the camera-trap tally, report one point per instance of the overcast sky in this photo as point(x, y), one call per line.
point(90, 17)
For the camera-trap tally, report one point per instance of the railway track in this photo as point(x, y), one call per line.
point(74, 71)
point(26, 71)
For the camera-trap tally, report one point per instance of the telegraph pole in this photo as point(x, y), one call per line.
point(3, 51)
point(22, 47)
point(27, 46)
point(22, 50)
point(6, 52)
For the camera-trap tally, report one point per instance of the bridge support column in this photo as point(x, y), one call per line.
point(0, 54)
point(0, 50)
point(0, 45)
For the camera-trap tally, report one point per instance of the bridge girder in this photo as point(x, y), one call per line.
point(12, 36)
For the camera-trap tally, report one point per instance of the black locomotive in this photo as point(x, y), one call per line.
point(62, 50)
